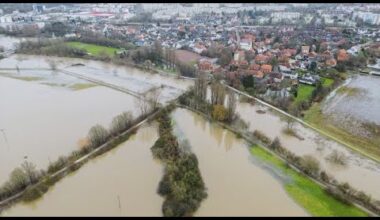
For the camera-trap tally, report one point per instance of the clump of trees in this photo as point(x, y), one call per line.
point(19, 179)
point(186, 69)
point(182, 184)
point(262, 137)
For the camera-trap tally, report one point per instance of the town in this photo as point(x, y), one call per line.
point(297, 80)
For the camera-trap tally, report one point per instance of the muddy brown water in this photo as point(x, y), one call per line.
point(132, 78)
point(41, 122)
point(121, 182)
point(235, 185)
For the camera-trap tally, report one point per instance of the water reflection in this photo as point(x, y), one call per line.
point(235, 185)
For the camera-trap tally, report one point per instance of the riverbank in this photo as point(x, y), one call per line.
point(305, 192)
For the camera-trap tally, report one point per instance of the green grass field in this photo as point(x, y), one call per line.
point(92, 48)
point(303, 93)
point(307, 193)
point(327, 82)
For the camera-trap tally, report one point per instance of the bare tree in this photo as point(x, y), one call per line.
point(231, 105)
point(154, 97)
point(143, 105)
point(52, 65)
point(217, 93)
point(31, 172)
point(201, 86)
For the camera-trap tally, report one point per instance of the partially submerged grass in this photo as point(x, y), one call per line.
point(79, 86)
point(25, 78)
point(53, 84)
point(311, 196)
point(369, 146)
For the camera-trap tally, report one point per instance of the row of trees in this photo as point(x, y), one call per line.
point(182, 184)
point(27, 175)
point(218, 96)
point(49, 47)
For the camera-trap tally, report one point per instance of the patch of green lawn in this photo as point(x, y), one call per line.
point(93, 49)
point(327, 82)
point(311, 196)
point(303, 93)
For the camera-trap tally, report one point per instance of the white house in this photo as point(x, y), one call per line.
point(245, 44)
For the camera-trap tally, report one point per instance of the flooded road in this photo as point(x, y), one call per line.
point(236, 184)
point(41, 122)
point(360, 172)
point(128, 174)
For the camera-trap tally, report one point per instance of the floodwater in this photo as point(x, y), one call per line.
point(360, 172)
point(124, 76)
point(361, 107)
point(41, 123)
point(121, 182)
point(237, 184)
point(9, 43)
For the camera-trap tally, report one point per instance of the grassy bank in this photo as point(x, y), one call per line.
point(311, 196)
point(315, 117)
point(93, 49)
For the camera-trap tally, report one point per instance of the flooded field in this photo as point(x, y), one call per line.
point(124, 76)
point(9, 43)
point(355, 104)
point(360, 172)
point(121, 182)
point(237, 184)
point(41, 123)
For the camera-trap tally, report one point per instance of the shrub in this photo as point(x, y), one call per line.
point(310, 165)
point(325, 177)
point(262, 137)
point(338, 195)
point(219, 113)
point(97, 136)
point(35, 192)
point(57, 165)
point(121, 122)
point(275, 145)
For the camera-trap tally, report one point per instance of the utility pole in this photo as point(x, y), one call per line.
point(118, 197)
